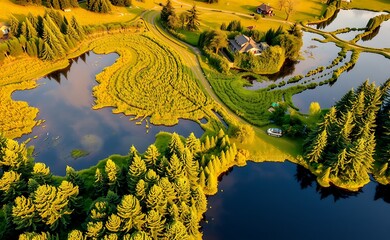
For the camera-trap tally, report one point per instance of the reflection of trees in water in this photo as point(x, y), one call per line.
point(287, 69)
point(371, 35)
point(326, 23)
point(305, 179)
point(56, 75)
point(382, 192)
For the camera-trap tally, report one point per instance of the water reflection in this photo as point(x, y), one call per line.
point(382, 192)
point(306, 179)
point(64, 99)
point(266, 201)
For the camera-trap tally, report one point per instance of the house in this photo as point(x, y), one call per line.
point(244, 44)
point(265, 9)
point(67, 10)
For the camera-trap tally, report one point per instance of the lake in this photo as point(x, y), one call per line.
point(280, 201)
point(64, 99)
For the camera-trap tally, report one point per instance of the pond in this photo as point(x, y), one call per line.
point(353, 18)
point(313, 54)
point(369, 66)
point(64, 99)
point(281, 201)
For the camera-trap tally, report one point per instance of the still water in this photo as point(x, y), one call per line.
point(64, 99)
point(278, 201)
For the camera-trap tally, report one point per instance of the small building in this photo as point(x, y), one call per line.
point(265, 9)
point(67, 10)
point(244, 44)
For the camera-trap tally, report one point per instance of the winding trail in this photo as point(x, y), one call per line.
point(189, 55)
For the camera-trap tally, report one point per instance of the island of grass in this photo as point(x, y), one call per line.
point(78, 153)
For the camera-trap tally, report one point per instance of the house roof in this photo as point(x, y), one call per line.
point(265, 7)
point(243, 43)
point(241, 39)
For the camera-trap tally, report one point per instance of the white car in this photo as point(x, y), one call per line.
point(275, 132)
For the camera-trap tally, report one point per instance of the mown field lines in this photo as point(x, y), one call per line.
point(148, 80)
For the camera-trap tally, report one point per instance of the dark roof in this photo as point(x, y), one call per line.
point(241, 39)
point(265, 7)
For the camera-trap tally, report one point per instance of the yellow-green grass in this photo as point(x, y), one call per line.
point(84, 17)
point(303, 10)
point(148, 80)
point(375, 5)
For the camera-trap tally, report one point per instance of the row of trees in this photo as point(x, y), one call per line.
point(48, 37)
point(156, 195)
point(343, 145)
point(56, 4)
point(101, 6)
point(187, 20)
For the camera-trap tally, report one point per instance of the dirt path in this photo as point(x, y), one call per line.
point(189, 55)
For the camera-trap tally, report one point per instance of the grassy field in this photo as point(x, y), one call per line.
point(84, 17)
point(375, 5)
point(148, 80)
point(303, 10)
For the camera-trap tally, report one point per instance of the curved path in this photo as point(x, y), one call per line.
point(189, 59)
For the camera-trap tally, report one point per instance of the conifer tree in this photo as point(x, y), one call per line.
point(193, 19)
point(176, 230)
point(76, 26)
point(315, 151)
point(191, 167)
point(30, 30)
point(95, 230)
point(176, 146)
point(10, 185)
point(14, 26)
point(183, 189)
point(74, 177)
point(114, 223)
point(151, 156)
point(190, 221)
point(175, 168)
point(137, 171)
point(156, 199)
point(168, 189)
point(151, 177)
point(155, 224)
point(99, 183)
point(131, 214)
point(193, 144)
point(141, 189)
point(200, 200)
point(51, 206)
point(112, 172)
point(23, 214)
point(75, 235)
point(166, 11)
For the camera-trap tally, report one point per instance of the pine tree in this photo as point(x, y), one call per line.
point(155, 224)
point(193, 19)
point(175, 168)
point(112, 172)
point(30, 30)
point(74, 177)
point(99, 183)
point(114, 223)
point(75, 235)
point(191, 167)
point(131, 214)
point(176, 230)
point(141, 190)
point(200, 201)
point(156, 199)
point(193, 144)
point(168, 189)
point(76, 26)
point(183, 189)
point(166, 11)
point(10, 185)
point(151, 177)
point(51, 206)
point(315, 151)
point(14, 26)
point(151, 156)
point(137, 171)
point(190, 221)
point(95, 230)
point(23, 214)
point(74, 3)
point(176, 146)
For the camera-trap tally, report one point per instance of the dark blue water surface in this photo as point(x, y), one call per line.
point(279, 201)
point(64, 99)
